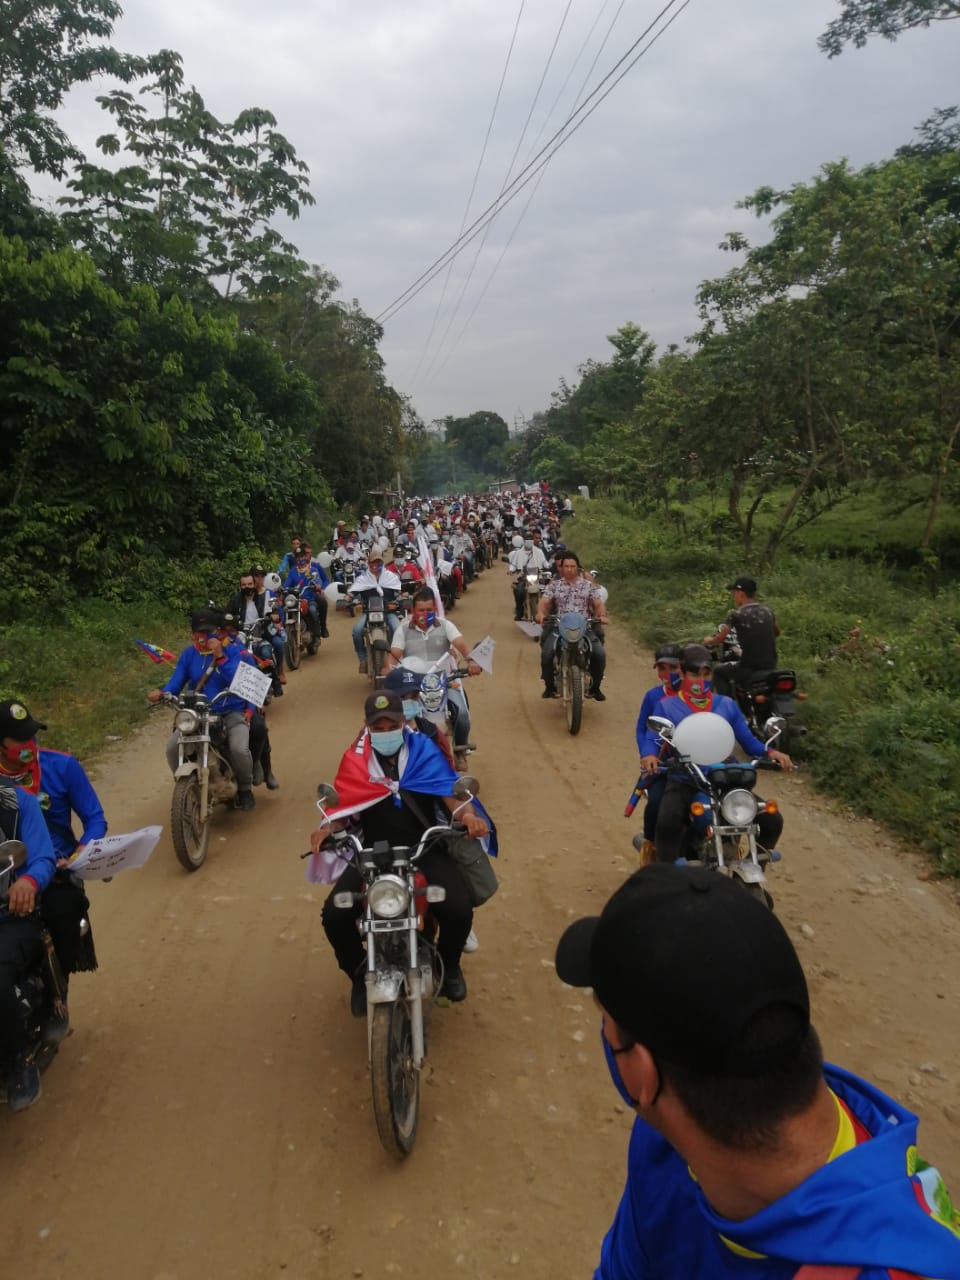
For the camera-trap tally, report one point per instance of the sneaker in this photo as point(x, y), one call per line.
point(244, 800)
point(358, 996)
point(23, 1085)
point(363, 667)
point(454, 986)
point(472, 943)
point(54, 1028)
point(598, 695)
point(257, 774)
point(271, 782)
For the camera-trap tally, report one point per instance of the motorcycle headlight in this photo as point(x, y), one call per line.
point(739, 808)
point(290, 601)
point(186, 721)
point(388, 897)
point(532, 579)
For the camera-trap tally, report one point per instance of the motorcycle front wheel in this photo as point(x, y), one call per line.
point(292, 646)
point(573, 696)
point(189, 826)
point(394, 1079)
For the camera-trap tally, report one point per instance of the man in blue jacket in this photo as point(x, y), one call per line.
point(210, 664)
point(694, 695)
point(750, 1158)
point(20, 942)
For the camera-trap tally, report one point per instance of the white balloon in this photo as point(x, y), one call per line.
point(705, 737)
point(333, 593)
point(517, 541)
point(604, 594)
point(383, 542)
point(325, 559)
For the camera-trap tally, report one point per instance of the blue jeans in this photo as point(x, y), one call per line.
point(392, 623)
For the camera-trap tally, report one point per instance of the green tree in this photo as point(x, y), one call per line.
point(476, 441)
point(861, 19)
point(47, 47)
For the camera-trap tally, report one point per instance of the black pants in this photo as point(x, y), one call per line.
point(454, 915)
point(20, 947)
point(729, 675)
point(64, 904)
point(674, 818)
point(548, 647)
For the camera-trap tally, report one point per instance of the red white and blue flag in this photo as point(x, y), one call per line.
point(155, 653)
point(361, 783)
point(425, 561)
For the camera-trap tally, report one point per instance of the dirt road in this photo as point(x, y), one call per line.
point(210, 1115)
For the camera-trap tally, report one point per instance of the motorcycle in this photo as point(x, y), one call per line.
point(258, 640)
point(303, 635)
point(376, 637)
point(438, 707)
point(535, 582)
point(404, 972)
point(768, 696)
point(446, 584)
point(571, 664)
point(42, 987)
point(204, 777)
point(723, 830)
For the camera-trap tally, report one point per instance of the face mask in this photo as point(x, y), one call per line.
point(698, 686)
point(387, 742)
point(21, 752)
point(671, 681)
point(411, 709)
point(614, 1070)
point(248, 591)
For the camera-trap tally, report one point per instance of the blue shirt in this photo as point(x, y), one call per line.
point(192, 664)
point(65, 789)
point(674, 709)
point(30, 827)
point(300, 578)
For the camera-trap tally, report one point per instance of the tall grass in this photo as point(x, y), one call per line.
point(878, 654)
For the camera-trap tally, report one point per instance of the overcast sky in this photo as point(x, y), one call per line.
point(388, 102)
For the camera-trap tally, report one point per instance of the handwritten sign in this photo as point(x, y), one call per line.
point(531, 629)
point(109, 855)
point(251, 684)
point(482, 653)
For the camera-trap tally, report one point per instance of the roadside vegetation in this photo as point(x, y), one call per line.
point(876, 649)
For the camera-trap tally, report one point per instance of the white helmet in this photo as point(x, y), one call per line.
point(272, 582)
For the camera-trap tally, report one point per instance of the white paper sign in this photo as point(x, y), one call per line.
point(482, 653)
point(109, 855)
point(531, 629)
point(250, 683)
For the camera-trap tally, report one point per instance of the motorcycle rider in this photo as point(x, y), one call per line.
point(389, 750)
point(249, 605)
point(523, 560)
point(21, 946)
point(666, 661)
point(376, 580)
point(696, 695)
point(463, 547)
point(310, 576)
point(425, 636)
point(757, 630)
point(209, 665)
point(61, 785)
point(286, 564)
point(572, 592)
point(407, 683)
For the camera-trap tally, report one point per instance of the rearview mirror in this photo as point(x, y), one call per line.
point(13, 852)
point(661, 725)
point(465, 787)
point(327, 797)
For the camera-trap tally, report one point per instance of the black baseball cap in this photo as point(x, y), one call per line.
point(744, 583)
point(695, 655)
point(383, 703)
point(207, 619)
point(667, 653)
point(16, 722)
point(683, 959)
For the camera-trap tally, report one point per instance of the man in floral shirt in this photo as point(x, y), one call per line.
point(572, 592)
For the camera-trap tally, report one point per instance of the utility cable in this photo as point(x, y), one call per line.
point(562, 135)
point(473, 188)
point(513, 160)
point(536, 186)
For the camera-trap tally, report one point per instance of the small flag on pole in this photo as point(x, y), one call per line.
point(155, 653)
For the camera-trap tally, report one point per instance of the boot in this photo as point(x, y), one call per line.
point(244, 800)
point(648, 853)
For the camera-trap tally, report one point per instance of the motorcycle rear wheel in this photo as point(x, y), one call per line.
point(573, 697)
point(394, 1079)
point(376, 667)
point(189, 827)
point(292, 646)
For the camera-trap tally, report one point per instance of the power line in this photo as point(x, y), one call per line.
point(513, 160)
point(473, 188)
point(536, 187)
point(562, 135)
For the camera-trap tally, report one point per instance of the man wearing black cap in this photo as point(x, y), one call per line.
point(757, 630)
point(694, 695)
point(750, 1157)
point(666, 662)
point(210, 665)
point(385, 753)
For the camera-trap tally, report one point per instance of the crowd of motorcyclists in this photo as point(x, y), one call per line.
point(405, 568)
